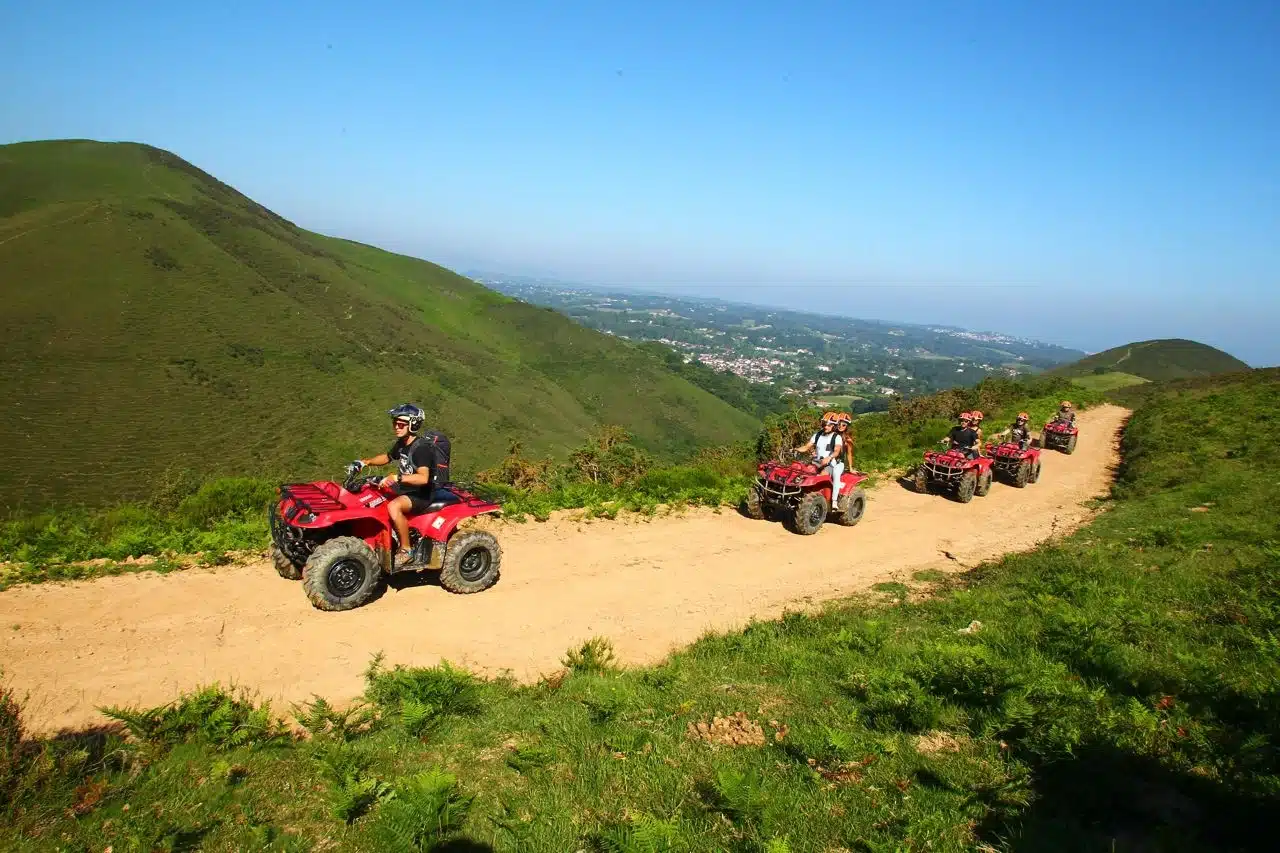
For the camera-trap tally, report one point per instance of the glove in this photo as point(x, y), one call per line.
point(355, 467)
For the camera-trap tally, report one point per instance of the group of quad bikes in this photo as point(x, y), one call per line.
point(799, 492)
point(963, 475)
point(338, 538)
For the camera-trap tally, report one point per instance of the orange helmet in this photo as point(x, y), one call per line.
point(977, 416)
point(828, 417)
point(1066, 404)
point(843, 418)
point(966, 416)
point(1022, 416)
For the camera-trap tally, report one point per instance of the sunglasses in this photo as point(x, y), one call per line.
point(402, 424)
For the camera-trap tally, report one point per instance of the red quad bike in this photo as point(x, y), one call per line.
point(801, 493)
point(338, 539)
point(955, 472)
point(1014, 465)
point(1058, 435)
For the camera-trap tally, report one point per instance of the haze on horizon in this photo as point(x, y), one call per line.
point(1087, 175)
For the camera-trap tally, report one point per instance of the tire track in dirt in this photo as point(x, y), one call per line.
point(650, 586)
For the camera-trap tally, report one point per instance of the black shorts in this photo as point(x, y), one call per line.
point(419, 498)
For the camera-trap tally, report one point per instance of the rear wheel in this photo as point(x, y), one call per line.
point(984, 484)
point(852, 506)
point(285, 567)
point(810, 514)
point(1023, 474)
point(968, 484)
point(472, 560)
point(1071, 445)
point(753, 507)
point(343, 574)
point(922, 481)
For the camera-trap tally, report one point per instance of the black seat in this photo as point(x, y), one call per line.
point(441, 498)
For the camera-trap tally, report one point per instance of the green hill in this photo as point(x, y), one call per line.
point(157, 321)
point(1157, 360)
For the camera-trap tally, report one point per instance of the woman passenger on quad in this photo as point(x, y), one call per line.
point(412, 485)
point(963, 436)
point(827, 447)
point(843, 420)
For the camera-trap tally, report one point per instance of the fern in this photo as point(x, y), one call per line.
point(448, 689)
point(321, 719)
point(427, 808)
point(211, 716)
point(594, 657)
point(417, 717)
point(738, 796)
point(356, 794)
point(643, 833)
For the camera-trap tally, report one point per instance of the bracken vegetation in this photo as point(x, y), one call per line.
point(1118, 689)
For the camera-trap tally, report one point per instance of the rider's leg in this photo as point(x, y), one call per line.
point(398, 510)
point(836, 469)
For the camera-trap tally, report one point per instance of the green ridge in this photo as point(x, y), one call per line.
point(182, 326)
point(1171, 358)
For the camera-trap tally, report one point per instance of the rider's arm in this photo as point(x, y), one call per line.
point(807, 447)
point(421, 477)
point(380, 459)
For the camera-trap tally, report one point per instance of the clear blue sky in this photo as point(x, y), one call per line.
point(1088, 173)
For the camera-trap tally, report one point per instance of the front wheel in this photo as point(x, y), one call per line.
point(285, 567)
point(984, 484)
point(810, 514)
point(343, 574)
point(968, 483)
point(922, 481)
point(472, 561)
point(1023, 475)
point(1071, 445)
point(753, 507)
point(1035, 473)
point(852, 506)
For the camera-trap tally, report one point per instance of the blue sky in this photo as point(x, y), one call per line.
point(1086, 173)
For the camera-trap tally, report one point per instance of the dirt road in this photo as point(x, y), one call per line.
point(649, 586)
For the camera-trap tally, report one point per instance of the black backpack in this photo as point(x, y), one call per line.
point(440, 444)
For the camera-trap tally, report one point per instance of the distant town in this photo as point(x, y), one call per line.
point(827, 360)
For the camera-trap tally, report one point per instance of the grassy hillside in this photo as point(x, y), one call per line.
point(1118, 689)
point(1108, 380)
point(1173, 358)
point(179, 325)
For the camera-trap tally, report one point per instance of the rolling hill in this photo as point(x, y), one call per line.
point(1156, 360)
point(157, 321)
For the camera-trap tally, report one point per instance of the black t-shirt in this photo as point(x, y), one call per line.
point(962, 436)
point(419, 454)
point(1019, 434)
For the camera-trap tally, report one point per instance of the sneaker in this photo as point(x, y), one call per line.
point(402, 558)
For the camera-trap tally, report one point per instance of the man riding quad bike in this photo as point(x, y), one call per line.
point(1061, 430)
point(343, 540)
point(806, 490)
point(961, 468)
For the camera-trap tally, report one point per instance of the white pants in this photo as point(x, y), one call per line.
point(836, 468)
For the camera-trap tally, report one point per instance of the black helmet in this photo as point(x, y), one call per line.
point(411, 413)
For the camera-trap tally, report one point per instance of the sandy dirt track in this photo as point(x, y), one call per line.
point(650, 586)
